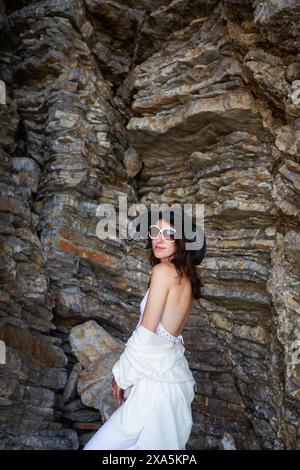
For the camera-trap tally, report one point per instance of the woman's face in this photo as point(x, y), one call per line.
point(163, 249)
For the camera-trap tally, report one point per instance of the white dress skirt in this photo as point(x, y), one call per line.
point(158, 390)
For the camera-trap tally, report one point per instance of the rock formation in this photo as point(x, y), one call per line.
point(158, 101)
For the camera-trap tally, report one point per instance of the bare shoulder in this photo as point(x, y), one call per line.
point(162, 269)
point(163, 273)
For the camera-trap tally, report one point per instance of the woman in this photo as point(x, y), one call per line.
point(152, 380)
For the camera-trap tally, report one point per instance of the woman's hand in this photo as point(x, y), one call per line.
point(117, 392)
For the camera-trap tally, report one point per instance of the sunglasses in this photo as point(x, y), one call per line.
point(167, 233)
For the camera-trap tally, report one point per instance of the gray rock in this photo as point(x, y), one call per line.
point(194, 101)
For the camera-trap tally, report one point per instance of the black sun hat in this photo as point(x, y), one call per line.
point(186, 227)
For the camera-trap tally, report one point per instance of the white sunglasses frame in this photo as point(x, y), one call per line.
point(161, 230)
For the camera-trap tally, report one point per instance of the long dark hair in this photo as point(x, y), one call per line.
point(182, 260)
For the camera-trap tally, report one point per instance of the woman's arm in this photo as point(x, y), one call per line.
point(117, 392)
point(128, 369)
point(158, 292)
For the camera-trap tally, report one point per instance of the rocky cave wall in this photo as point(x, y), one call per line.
point(158, 101)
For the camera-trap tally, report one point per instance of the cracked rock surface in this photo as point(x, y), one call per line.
point(190, 101)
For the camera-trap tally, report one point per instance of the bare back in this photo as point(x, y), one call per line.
point(178, 305)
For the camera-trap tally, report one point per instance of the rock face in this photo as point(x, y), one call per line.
point(160, 101)
point(97, 351)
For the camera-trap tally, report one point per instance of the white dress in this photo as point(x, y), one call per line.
point(159, 389)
